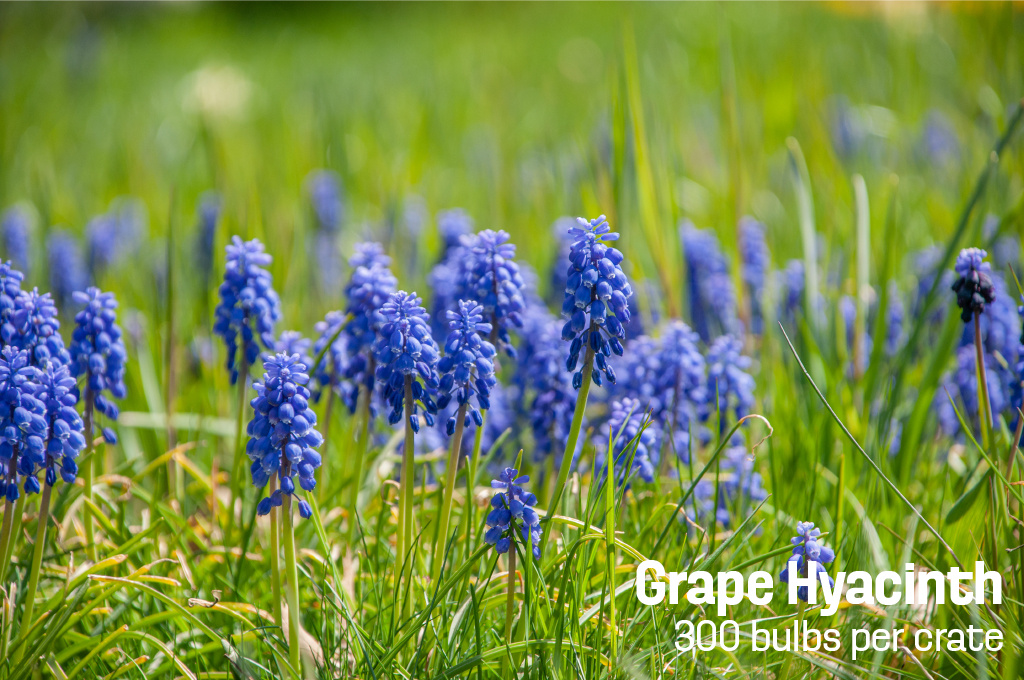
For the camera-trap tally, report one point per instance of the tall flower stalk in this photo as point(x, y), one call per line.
point(467, 372)
point(22, 428)
point(596, 302)
point(98, 354)
point(58, 393)
point(282, 445)
point(974, 289)
point(249, 307)
point(369, 287)
point(407, 359)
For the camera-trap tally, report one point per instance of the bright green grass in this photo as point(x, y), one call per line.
point(519, 114)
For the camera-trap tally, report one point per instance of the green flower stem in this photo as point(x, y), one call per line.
point(405, 509)
point(609, 537)
point(5, 536)
point(984, 407)
point(362, 445)
point(236, 476)
point(292, 584)
point(574, 435)
point(510, 601)
point(789, 659)
point(37, 560)
point(322, 483)
point(474, 461)
point(444, 515)
point(87, 476)
point(275, 556)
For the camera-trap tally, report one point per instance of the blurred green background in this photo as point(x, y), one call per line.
point(519, 113)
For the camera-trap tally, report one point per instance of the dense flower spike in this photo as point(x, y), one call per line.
point(114, 234)
point(22, 422)
point(404, 347)
point(712, 297)
point(973, 287)
point(808, 550)
point(754, 268)
point(512, 512)
point(38, 329)
point(540, 370)
point(325, 195)
point(370, 287)
point(329, 374)
point(15, 234)
point(452, 225)
point(493, 279)
point(58, 392)
point(628, 419)
point(848, 311)
point(289, 343)
point(681, 377)
point(791, 290)
point(97, 350)
point(728, 378)
point(1000, 324)
point(248, 303)
point(10, 291)
point(596, 298)
point(467, 369)
point(207, 216)
point(282, 433)
point(66, 266)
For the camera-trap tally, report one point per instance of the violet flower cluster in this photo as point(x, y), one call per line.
point(807, 551)
point(467, 369)
point(22, 423)
point(596, 299)
point(98, 352)
point(513, 513)
point(282, 433)
point(248, 306)
point(405, 348)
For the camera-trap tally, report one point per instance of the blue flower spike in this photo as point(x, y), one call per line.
point(22, 423)
point(493, 279)
point(807, 550)
point(404, 347)
point(282, 433)
point(467, 369)
point(248, 306)
point(596, 300)
point(512, 512)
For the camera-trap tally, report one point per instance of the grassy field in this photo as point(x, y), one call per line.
point(869, 142)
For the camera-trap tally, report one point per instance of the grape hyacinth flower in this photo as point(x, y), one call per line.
point(737, 482)
point(114, 234)
point(807, 551)
point(370, 287)
point(596, 300)
point(973, 287)
point(67, 269)
point(494, 280)
point(848, 311)
point(248, 306)
point(58, 391)
point(753, 270)
point(729, 383)
point(791, 284)
point(974, 290)
point(289, 343)
point(22, 433)
point(405, 349)
point(207, 216)
point(682, 382)
point(712, 297)
point(406, 357)
point(98, 352)
point(38, 329)
point(627, 421)
point(452, 225)
point(283, 436)
point(513, 514)
point(895, 315)
point(10, 290)
point(16, 237)
point(325, 196)
point(22, 424)
point(963, 383)
point(467, 371)
point(329, 374)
